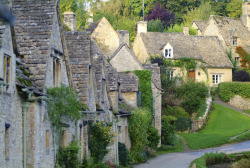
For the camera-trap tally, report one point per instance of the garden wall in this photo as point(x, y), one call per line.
point(199, 123)
point(239, 102)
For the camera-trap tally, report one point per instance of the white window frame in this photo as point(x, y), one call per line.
point(169, 52)
point(217, 78)
point(235, 41)
point(237, 60)
point(170, 74)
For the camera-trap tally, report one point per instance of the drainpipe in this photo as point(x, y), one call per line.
point(25, 110)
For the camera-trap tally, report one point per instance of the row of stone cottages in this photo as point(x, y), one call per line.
point(37, 44)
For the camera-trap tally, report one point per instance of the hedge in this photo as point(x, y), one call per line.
point(228, 90)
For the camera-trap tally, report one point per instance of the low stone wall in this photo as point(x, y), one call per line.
point(239, 102)
point(199, 123)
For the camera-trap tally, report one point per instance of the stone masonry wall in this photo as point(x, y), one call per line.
point(239, 102)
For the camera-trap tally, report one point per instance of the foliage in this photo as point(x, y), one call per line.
point(177, 147)
point(167, 132)
point(93, 164)
point(145, 87)
point(153, 137)
point(243, 163)
point(247, 111)
point(201, 110)
point(68, 156)
point(101, 136)
point(179, 28)
point(224, 123)
point(123, 154)
point(175, 111)
point(139, 157)
point(151, 153)
point(227, 90)
point(240, 138)
point(203, 13)
point(76, 6)
point(62, 102)
point(159, 12)
point(241, 76)
point(192, 94)
point(138, 126)
point(229, 54)
point(155, 26)
point(234, 8)
point(183, 124)
point(214, 92)
point(215, 158)
point(244, 57)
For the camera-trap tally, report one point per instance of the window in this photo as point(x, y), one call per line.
point(47, 142)
point(217, 79)
point(6, 71)
point(103, 88)
point(168, 53)
point(235, 41)
point(237, 60)
point(170, 74)
point(7, 141)
point(56, 71)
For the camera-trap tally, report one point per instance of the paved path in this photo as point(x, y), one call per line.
point(183, 159)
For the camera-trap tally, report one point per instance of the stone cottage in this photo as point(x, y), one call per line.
point(207, 51)
point(199, 26)
point(232, 32)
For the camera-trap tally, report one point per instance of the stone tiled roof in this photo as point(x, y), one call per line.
point(33, 27)
point(112, 77)
point(200, 24)
point(128, 81)
point(156, 76)
point(229, 27)
point(2, 30)
point(78, 44)
point(93, 26)
point(205, 48)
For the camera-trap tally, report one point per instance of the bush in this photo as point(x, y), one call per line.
point(139, 157)
point(153, 137)
point(167, 132)
point(68, 156)
point(123, 154)
point(155, 26)
point(241, 76)
point(227, 90)
point(202, 109)
point(100, 137)
point(151, 153)
point(243, 163)
point(215, 158)
point(175, 111)
point(192, 94)
point(214, 92)
point(138, 126)
point(183, 124)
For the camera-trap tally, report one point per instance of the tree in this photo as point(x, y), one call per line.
point(155, 26)
point(159, 12)
point(234, 8)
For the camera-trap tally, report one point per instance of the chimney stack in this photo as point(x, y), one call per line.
point(70, 20)
point(90, 13)
point(142, 27)
point(245, 17)
point(185, 30)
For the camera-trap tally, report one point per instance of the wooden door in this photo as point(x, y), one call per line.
point(191, 75)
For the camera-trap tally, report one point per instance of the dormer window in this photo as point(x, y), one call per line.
point(168, 51)
point(235, 41)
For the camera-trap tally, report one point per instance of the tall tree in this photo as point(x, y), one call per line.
point(234, 8)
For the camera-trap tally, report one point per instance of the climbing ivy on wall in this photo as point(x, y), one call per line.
point(244, 57)
point(227, 90)
point(145, 87)
point(62, 102)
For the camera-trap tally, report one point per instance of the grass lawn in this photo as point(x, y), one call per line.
point(247, 111)
point(224, 123)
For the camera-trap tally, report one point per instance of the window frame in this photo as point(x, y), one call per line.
point(169, 53)
point(235, 41)
point(217, 78)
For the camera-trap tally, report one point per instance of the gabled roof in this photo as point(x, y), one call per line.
point(129, 82)
point(112, 77)
point(229, 27)
point(33, 28)
point(207, 48)
point(78, 44)
point(200, 24)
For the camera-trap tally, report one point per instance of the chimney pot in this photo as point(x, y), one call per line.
point(185, 30)
point(142, 27)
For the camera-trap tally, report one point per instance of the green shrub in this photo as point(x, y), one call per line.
point(228, 90)
point(170, 119)
point(123, 154)
point(175, 111)
point(192, 94)
point(145, 87)
point(138, 126)
point(151, 153)
point(183, 124)
point(202, 109)
point(166, 147)
point(139, 157)
point(167, 131)
point(155, 26)
point(243, 163)
point(153, 137)
point(68, 156)
point(100, 137)
point(215, 158)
